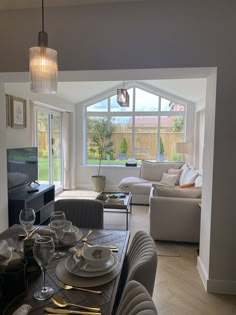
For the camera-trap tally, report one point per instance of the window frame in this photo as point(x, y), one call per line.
point(132, 113)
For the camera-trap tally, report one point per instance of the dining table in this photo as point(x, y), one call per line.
point(57, 273)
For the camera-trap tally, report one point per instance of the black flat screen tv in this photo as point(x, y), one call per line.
point(22, 166)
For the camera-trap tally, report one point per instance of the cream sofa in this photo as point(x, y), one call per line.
point(174, 212)
point(150, 173)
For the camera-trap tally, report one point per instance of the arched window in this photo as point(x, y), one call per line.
point(148, 129)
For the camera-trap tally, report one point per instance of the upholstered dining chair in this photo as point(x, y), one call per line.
point(136, 300)
point(84, 213)
point(140, 263)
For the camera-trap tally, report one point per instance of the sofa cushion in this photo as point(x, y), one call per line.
point(168, 179)
point(153, 171)
point(188, 175)
point(175, 171)
point(165, 191)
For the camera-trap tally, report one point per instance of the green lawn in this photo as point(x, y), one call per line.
point(43, 166)
point(43, 169)
point(110, 162)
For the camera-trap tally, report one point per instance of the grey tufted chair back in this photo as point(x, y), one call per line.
point(84, 213)
point(140, 263)
point(136, 301)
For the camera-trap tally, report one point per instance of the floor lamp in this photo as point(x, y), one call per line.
point(185, 148)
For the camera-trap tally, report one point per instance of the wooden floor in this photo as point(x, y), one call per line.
point(178, 287)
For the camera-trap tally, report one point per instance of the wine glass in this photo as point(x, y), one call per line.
point(27, 218)
point(57, 224)
point(43, 251)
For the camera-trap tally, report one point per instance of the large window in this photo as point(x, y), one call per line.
point(148, 129)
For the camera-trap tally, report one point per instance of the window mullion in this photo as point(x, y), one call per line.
point(133, 124)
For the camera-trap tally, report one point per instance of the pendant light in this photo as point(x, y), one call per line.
point(43, 64)
point(123, 97)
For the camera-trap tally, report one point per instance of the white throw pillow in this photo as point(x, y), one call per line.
point(175, 171)
point(198, 181)
point(188, 175)
point(168, 179)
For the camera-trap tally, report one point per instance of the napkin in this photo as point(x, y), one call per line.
point(45, 232)
point(5, 252)
point(23, 310)
point(76, 248)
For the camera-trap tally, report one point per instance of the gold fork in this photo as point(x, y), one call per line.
point(85, 238)
point(69, 287)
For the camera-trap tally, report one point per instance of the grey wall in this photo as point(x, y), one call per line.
point(155, 34)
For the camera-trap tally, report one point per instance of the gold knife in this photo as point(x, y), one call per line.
point(111, 247)
point(60, 311)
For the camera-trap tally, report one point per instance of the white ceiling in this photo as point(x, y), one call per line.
point(27, 4)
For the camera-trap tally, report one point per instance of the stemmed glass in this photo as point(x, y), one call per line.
point(57, 224)
point(43, 251)
point(27, 218)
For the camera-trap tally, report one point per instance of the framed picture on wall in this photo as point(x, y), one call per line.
point(8, 111)
point(18, 112)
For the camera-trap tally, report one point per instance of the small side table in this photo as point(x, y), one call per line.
point(125, 207)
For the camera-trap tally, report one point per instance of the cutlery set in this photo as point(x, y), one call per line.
point(113, 248)
point(61, 302)
point(85, 240)
point(31, 233)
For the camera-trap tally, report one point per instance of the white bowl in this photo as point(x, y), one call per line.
point(70, 235)
point(96, 256)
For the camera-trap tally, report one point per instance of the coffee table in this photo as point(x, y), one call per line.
point(125, 207)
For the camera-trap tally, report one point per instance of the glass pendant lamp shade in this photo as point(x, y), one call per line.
point(43, 64)
point(43, 70)
point(123, 97)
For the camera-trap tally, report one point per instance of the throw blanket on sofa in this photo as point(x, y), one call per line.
point(129, 181)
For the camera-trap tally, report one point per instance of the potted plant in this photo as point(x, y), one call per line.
point(162, 150)
point(100, 132)
point(123, 149)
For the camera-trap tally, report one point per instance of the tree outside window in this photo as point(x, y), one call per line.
point(150, 126)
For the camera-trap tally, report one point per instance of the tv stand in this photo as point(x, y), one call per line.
point(41, 199)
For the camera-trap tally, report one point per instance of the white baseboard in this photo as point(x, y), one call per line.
point(214, 285)
point(202, 272)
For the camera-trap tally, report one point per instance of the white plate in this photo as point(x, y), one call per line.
point(85, 271)
point(88, 268)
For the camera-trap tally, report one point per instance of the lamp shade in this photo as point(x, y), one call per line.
point(183, 147)
point(43, 70)
point(123, 97)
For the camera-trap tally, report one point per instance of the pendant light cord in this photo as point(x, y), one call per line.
point(42, 36)
point(42, 15)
